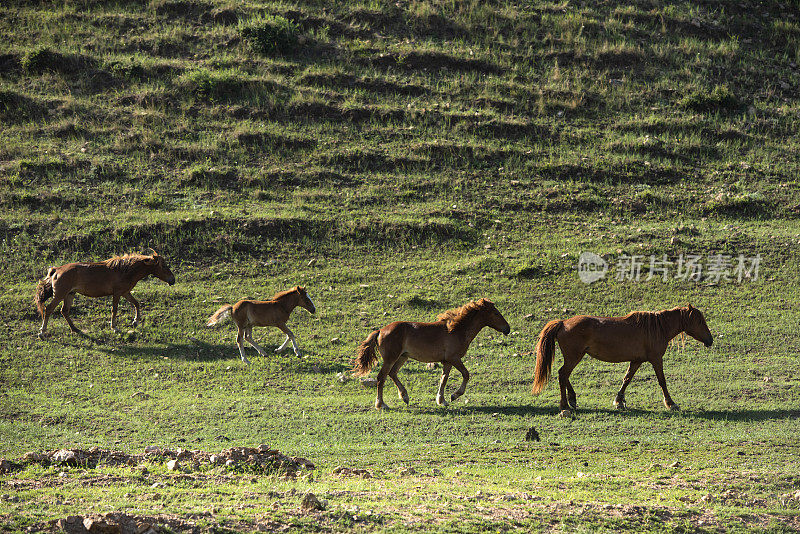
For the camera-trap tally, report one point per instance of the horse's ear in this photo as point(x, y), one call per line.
point(689, 306)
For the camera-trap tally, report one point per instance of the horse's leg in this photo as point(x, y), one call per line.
point(114, 304)
point(137, 318)
point(290, 335)
point(48, 311)
point(239, 343)
point(571, 359)
point(401, 390)
point(381, 378)
point(248, 335)
point(658, 367)
point(619, 401)
point(65, 312)
point(446, 366)
point(283, 346)
point(458, 364)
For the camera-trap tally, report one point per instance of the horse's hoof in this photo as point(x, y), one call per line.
point(455, 395)
point(620, 405)
point(41, 335)
point(674, 407)
point(404, 397)
point(565, 413)
point(381, 405)
point(441, 402)
point(246, 361)
point(573, 405)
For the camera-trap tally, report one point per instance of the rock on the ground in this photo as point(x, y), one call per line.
point(311, 503)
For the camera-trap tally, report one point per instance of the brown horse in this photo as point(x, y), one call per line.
point(444, 341)
point(636, 338)
point(274, 312)
point(114, 277)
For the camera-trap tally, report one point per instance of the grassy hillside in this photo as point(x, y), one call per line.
point(424, 154)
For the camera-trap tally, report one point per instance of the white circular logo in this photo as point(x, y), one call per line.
point(591, 267)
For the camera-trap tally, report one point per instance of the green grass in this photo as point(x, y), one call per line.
point(424, 154)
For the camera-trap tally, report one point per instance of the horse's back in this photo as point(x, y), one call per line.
point(425, 342)
point(611, 339)
point(258, 313)
point(90, 279)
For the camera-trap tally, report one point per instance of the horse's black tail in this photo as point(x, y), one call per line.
point(44, 291)
point(545, 349)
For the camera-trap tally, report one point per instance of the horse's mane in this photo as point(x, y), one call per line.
point(279, 295)
point(457, 316)
point(651, 322)
point(126, 262)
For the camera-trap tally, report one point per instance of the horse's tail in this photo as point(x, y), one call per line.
point(44, 290)
point(367, 355)
point(220, 316)
point(545, 349)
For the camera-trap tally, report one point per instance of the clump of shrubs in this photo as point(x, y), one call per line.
point(269, 34)
point(719, 98)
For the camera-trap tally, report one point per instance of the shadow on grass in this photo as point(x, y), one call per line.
point(531, 410)
point(196, 350)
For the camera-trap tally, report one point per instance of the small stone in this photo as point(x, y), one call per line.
point(435, 472)
point(64, 456)
point(263, 448)
point(152, 449)
point(173, 465)
point(369, 382)
point(767, 379)
point(675, 464)
point(311, 262)
point(342, 377)
point(230, 462)
point(334, 340)
point(311, 503)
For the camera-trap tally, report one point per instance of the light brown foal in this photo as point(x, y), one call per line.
point(446, 341)
point(114, 277)
point(274, 312)
point(636, 338)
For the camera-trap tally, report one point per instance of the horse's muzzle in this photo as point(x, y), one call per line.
point(506, 330)
point(709, 342)
point(171, 281)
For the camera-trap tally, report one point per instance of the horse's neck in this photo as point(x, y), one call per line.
point(672, 323)
point(288, 302)
point(471, 329)
point(139, 271)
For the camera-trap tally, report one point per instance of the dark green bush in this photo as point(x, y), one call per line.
point(718, 99)
point(270, 33)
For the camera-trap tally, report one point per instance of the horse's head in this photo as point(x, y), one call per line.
point(159, 268)
point(493, 317)
point(305, 300)
point(696, 326)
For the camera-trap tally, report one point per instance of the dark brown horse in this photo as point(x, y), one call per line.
point(444, 341)
point(636, 338)
point(114, 277)
point(274, 312)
